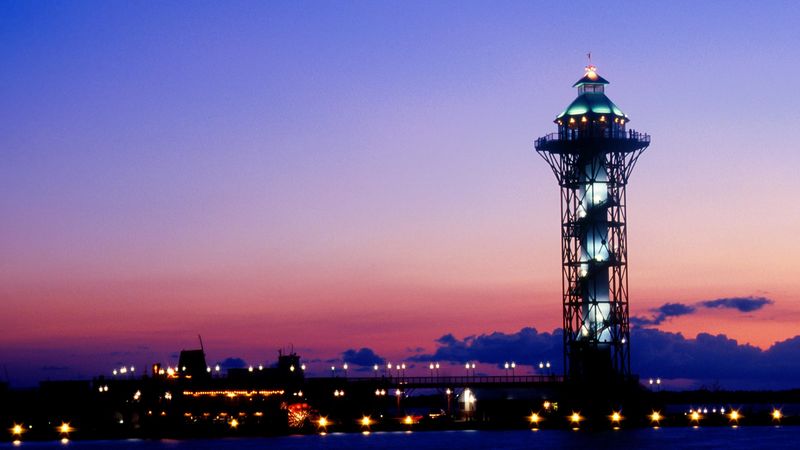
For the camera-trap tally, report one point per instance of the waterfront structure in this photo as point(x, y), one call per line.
point(592, 156)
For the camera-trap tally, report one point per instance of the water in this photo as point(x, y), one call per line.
point(703, 437)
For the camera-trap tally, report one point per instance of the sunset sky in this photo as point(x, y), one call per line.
point(337, 175)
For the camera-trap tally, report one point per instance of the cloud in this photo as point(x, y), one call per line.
point(669, 310)
point(233, 363)
point(527, 346)
point(663, 313)
point(705, 359)
point(743, 304)
point(362, 357)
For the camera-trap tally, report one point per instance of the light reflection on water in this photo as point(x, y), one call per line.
point(702, 437)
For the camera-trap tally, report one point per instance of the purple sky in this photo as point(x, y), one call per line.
point(342, 175)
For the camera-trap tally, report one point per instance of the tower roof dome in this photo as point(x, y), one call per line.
point(591, 98)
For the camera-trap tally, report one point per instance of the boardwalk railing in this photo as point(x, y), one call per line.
point(434, 381)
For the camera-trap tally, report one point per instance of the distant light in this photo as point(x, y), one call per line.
point(114, 372)
point(546, 404)
point(234, 423)
point(734, 415)
point(655, 417)
point(64, 428)
point(375, 367)
point(575, 418)
point(260, 367)
point(323, 422)
point(344, 366)
point(208, 369)
point(777, 414)
point(291, 368)
point(17, 430)
point(302, 367)
point(513, 364)
point(64, 441)
point(366, 421)
point(616, 417)
point(408, 420)
point(398, 392)
point(695, 416)
point(249, 369)
point(534, 418)
point(216, 368)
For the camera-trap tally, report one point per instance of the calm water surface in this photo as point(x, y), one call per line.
point(703, 437)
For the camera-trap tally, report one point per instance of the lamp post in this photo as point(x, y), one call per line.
point(375, 370)
point(345, 369)
point(333, 371)
point(513, 366)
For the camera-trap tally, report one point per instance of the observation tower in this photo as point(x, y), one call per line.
point(592, 156)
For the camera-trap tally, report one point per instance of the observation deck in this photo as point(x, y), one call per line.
point(574, 141)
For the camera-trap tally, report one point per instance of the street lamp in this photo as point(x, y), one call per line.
point(333, 371)
point(345, 369)
point(375, 369)
point(513, 366)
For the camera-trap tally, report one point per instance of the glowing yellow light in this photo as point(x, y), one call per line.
point(734, 415)
point(366, 421)
point(616, 417)
point(655, 416)
point(602, 118)
point(583, 119)
point(695, 416)
point(776, 414)
point(17, 430)
point(65, 428)
point(571, 120)
point(575, 418)
point(408, 420)
point(323, 422)
point(534, 418)
point(64, 441)
point(16, 442)
point(234, 423)
point(546, 404)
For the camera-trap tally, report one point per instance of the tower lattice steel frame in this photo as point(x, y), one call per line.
point(592, 156)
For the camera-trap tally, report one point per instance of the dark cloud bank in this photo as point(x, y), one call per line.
point(704, 360)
